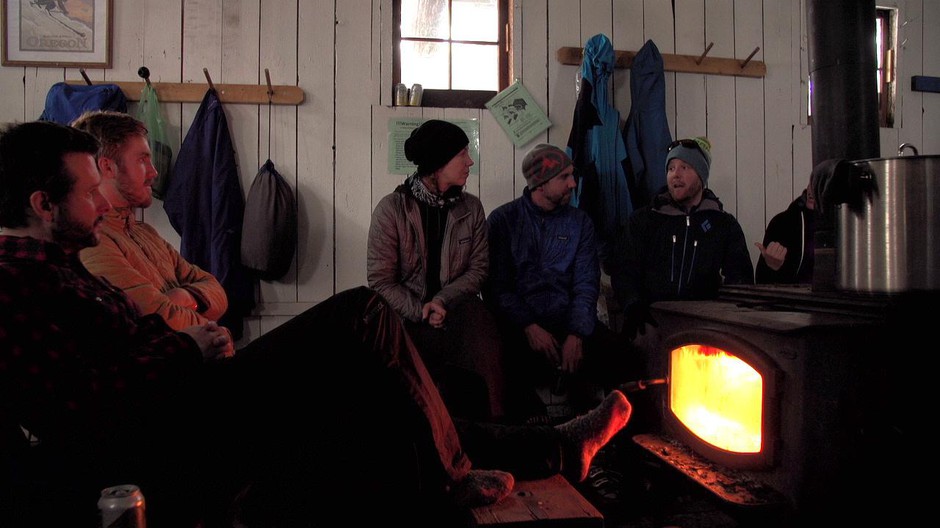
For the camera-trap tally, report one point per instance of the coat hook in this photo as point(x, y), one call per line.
point(84, 76)
point(267, 77)
point(144, 72)
point(209, 79)
point(702, 56)
point(749, 57)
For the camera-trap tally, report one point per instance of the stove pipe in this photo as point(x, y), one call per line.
point(844, 98)
point(843, 72)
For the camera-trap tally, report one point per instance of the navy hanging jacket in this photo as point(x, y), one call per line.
point(205, 205)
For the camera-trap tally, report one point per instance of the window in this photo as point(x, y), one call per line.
point(885, 37)
point(886, 45)
point(456, 49)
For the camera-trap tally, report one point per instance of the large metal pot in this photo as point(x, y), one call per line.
point(892, 242)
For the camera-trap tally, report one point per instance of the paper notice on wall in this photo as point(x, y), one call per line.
point(399, 129)
point(517, 112)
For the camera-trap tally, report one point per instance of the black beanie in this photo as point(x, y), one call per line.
point(433, 144)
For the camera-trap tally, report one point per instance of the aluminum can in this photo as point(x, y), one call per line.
point(400, 95)
point(122, 507)
point(414, 95)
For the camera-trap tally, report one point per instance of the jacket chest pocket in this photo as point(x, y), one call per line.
point(460, 251)
point(559, 250)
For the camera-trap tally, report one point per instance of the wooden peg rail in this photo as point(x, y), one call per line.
point(677, 63)
point(228, 93)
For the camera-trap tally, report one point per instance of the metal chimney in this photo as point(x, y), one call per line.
point(843, 74)
point(844, 98)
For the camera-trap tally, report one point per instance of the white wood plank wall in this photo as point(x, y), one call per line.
point(333, 148)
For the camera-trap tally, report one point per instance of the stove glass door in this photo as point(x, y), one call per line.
point(717, 396)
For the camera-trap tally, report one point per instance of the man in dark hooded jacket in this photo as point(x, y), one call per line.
point(681, 246)
point(786, 254)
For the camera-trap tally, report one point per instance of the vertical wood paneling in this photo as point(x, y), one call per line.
point(127, 46)
point(202, 48)
point(353, 143)
point(497, 166)
point(316, 163)
point(563, 30)
point(596, 17)
point(749, 127)
point(537, 51)
point(13, 107)
point(626, 34)
point(780, 182)
point(720, 110)
point(277, 141)
point(659, 26)
point(240, 33)
point(240, 64)
point(690, 87)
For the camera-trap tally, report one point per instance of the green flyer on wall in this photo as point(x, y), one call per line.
point(517, 112)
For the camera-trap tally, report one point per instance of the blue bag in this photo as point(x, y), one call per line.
point(65, 102)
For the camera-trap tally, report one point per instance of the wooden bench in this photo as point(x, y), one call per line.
point(549, 502)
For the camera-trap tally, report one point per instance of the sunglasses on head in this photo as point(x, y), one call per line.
point(687, 143)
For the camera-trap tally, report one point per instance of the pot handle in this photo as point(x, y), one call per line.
point(907, 146)
point(838, 181)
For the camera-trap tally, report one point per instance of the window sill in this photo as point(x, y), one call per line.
point(456, 98)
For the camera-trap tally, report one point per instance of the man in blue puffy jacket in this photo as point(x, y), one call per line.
point(544, 284)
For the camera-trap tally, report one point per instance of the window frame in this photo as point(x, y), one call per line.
point(450, 98)
point(886, 20)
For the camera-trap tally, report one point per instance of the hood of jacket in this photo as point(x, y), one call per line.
point(664, 204)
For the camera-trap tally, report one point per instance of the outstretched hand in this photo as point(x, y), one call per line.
point(774, 254)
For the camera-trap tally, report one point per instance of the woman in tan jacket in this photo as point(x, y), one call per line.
point(428, 256)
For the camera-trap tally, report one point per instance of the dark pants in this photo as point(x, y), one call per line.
point(609, 360)
point(306, 425)
point(465, 358)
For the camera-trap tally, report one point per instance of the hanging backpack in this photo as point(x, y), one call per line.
point(269, 230)
point(65, 102)
point(148, 112)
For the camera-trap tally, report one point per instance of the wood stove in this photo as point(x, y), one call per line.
point(785, 391)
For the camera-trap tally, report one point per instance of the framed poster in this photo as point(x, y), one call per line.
point(57, 33)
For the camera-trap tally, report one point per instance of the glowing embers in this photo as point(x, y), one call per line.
point(717, 396)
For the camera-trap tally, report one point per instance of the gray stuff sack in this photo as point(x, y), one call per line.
point(269, 228)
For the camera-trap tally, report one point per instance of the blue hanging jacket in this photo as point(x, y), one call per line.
point(646, 131)
point(596, 144)
point(205, 205)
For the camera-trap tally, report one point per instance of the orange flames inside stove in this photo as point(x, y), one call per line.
point(717, 396)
